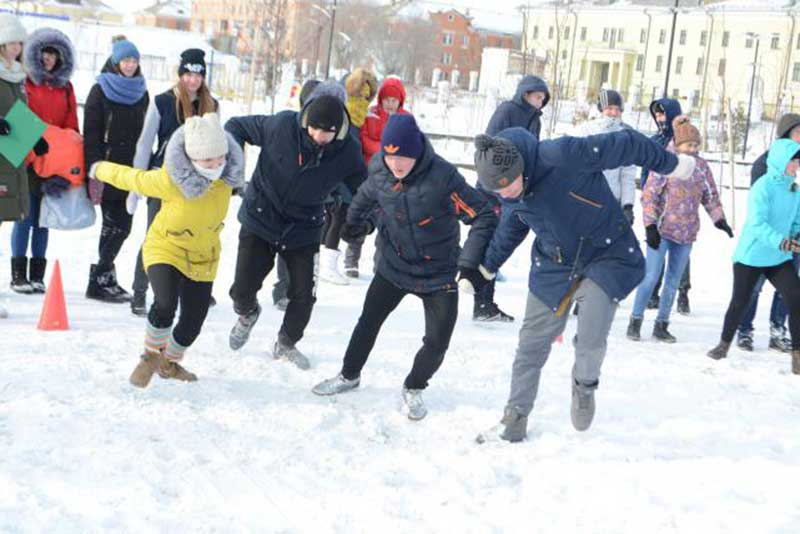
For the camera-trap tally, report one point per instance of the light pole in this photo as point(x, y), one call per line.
point(757, 38)
point(330, 40)
point(319, 33)
point(671, 44)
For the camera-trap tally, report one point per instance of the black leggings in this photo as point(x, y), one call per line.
point(116, 229)
point(170, 286)
point(334, 220)
point(441, 311)
point(783, 277)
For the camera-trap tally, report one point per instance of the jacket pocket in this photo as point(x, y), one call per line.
point(585, 200)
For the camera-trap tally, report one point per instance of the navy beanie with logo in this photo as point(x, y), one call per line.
point(402, 137)
point(192, 60)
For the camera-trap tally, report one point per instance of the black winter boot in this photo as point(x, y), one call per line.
point(490, 313)
point(114, 286)
point(37, 268)
point(661, 333)
point(683, 303)
point(744, 340)
point(635, 329)
point(139, 304)
point(720, 351)
point(102, 286)
point(19, 276)
point(654, 301)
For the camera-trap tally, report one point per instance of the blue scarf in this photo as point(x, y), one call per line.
point(120, 89)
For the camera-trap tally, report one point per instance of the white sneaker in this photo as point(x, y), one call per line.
point(328, 267)
point(414, 405)
point(334, 386)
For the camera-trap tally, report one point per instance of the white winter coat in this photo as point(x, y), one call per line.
point(621, 180)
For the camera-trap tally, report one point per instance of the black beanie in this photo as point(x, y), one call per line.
point(497, 161)
point(192, 60)
point(326, 112)
point(609, 97)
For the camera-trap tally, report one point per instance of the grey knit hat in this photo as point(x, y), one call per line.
point(497, 161)
point(787, 123)
point(11, 29)
point(205, 138)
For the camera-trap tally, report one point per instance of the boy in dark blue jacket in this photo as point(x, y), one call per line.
point(419, 198)
point(584, 251)
point(304, 156)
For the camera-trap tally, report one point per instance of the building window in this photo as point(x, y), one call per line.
point(583, 33)
point(700, 65)
point(676, 94)
point(613, 38)
point(798, 41)
point(776, 42)
point(536, 32)
point(447, 38)
point(748, 42)
point(640, 63)
point(679, 65)
point(695, 99)
point(605, 35)
point(550, 33)
point(662, 36)
point(465, 41)
point(721, 68)
point(566, 32)
point(564, 55)
point(642, 35)
point(726, 37)
point(682, 38)
point(450, 18)
point(703, 38)
point(796, 72)
point(223, 26)
point(659, 61)
point(447, 59)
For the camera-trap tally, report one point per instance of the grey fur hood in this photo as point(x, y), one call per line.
point(32, 57)
point(184, 175)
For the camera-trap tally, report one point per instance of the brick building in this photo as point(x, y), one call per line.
point(171, 14)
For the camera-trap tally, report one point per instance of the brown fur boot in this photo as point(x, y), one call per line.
point(146, 368)
point(796, 362)
point(170, 369)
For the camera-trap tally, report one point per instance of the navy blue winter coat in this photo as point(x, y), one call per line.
point(672, 108)
point(579, 225)
point(284, 201)
point(517, 112)
point(417, 218)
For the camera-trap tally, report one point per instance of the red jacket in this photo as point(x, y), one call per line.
point(373, 125)
point(54, 105)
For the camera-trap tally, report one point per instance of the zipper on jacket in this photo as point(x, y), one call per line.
point(585, 200)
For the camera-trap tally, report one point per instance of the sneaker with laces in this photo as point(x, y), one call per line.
point(414, 405)
point(513, 427)
point(582, 409)
point(334, 386)
point(240, 332)
point(285, 350)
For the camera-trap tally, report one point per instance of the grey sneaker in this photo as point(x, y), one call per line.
point(513, 427)
point(285, 350)
point(414, 404)
point(240, 332)
point(582, 411)
point(334, 386)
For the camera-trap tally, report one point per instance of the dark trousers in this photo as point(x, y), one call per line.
point(335, 218)
point(685, 284)
point(139, 276)
point(115, 230)
point(785, 280)
point(255, 260)
point(778, 311)
point(441, 311)
point(170, 286)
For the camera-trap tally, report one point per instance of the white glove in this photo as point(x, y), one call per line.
point(465, 279)
point(685, 167)
point(131, 202)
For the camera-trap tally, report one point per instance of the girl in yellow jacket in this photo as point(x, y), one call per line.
point(181, 253)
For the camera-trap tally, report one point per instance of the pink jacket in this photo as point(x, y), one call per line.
point(673, 205)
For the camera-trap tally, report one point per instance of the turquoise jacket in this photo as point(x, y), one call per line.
point(773, 211)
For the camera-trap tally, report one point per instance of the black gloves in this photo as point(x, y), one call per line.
point(790, 245)
point(722, 224)
point(41, 147)
point(5, 128)
point(355, 231)
point(653, 237)
point(627, 210)
point(55, 186)
point(472, 281)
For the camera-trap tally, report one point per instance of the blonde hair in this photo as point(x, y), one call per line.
point(183, 102)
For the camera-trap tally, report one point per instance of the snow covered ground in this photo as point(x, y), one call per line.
point(680, 443)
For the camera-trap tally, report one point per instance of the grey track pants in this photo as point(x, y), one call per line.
point(540, 328)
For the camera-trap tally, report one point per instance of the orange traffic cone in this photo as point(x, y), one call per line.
point(54, 310)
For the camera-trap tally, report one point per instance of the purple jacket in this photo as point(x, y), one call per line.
point(673, 205)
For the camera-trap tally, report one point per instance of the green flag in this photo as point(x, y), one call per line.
point(26, 130)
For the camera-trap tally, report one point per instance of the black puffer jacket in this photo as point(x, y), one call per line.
point(418, 222)
point(110, 130)
point(284, 201)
